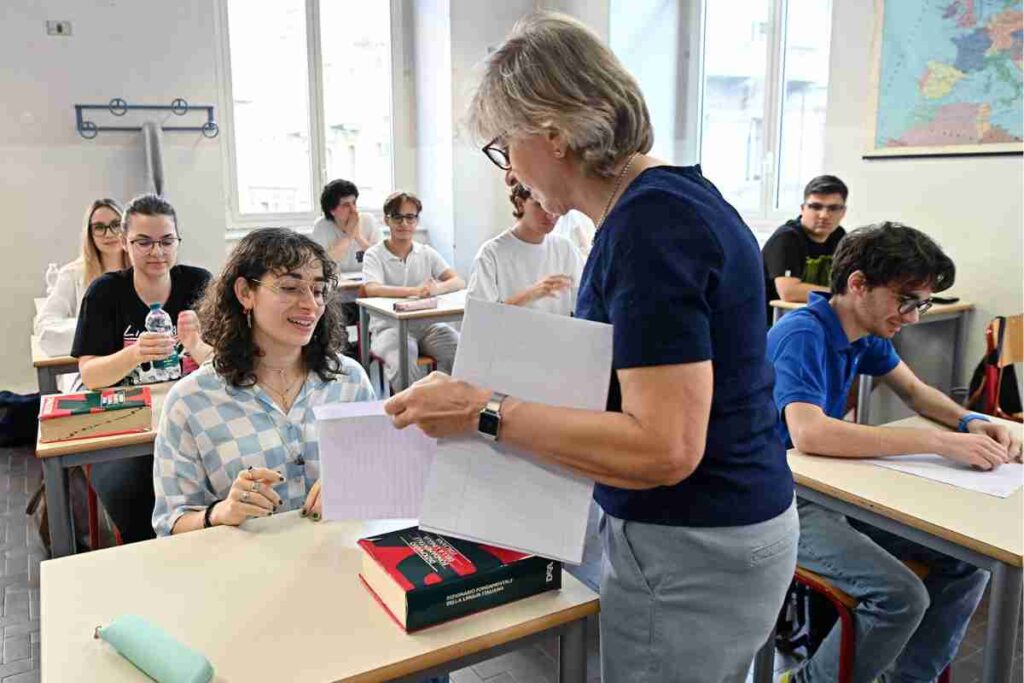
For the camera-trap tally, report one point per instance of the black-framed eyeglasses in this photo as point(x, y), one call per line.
point(294, 290)
point(100, 229)
point(498, 154)
point(909, 304)
point(144, 244)
point(830, 208)
point(407, 218)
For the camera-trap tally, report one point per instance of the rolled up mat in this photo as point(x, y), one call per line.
point(156, 652)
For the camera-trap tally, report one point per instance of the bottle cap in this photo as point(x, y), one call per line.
point(154, 307)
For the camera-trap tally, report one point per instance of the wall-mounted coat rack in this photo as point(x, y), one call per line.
point(118, 107)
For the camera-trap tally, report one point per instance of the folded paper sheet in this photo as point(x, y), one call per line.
point(489, 492)
point(369, 469)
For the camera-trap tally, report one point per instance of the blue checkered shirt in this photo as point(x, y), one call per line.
point(210, 431)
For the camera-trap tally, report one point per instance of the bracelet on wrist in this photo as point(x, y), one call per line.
point(207, 522)
point(969, 418)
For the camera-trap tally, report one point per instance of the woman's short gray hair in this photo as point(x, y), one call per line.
point(553, 73)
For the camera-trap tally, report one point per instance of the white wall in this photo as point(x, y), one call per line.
point(145, 51)
point(971, 205)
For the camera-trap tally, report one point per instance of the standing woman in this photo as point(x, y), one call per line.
point(102, 252)
point(698, 526)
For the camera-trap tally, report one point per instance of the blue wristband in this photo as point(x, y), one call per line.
point(967, 419)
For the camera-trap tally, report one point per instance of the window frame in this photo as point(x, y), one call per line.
point(767, 217)
point(238, 223)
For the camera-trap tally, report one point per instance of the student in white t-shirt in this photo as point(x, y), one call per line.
point(527, 265)
point(344, 231)
point(402, 267)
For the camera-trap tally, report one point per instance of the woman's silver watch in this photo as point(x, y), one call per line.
point(489, 423)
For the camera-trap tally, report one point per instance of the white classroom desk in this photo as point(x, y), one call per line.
point(58, 457)
point(450, 308)
point(983, 530)
point(278, 599)
point(348, 286)
point(956, 312)
point(49, 368)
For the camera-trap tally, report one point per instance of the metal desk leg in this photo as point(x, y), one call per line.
point(959, 334)
point(364, 339)
point(864, 399)
point(764, 660)
point(1001, 631)
point(572, 653)
point(403, 354)
point(58, 508)
point(46, 378)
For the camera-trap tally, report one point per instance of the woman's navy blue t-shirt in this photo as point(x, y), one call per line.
point(679, 276)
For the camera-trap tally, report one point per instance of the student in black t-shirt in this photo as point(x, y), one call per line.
point(114, 348)
point(798, 255)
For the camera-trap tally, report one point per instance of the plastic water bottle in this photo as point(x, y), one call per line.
point(158, 320)
point(51, 277)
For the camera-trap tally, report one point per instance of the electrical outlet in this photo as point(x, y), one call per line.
point(58, 28)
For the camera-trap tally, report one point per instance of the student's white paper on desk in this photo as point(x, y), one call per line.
point(489, 492)
point(369, 469)
point(1001, 482)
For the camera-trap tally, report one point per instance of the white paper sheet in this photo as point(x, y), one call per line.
point(489, 492)
point(369, 469)
point(1001, 482)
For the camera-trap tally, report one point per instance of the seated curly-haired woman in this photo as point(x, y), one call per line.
point(237, 438)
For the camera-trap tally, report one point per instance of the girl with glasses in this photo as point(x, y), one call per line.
point(113, 346)
point(402, 267)
point(102, 252)
point(238, 437)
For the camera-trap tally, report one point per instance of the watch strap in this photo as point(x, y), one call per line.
point(969, 418)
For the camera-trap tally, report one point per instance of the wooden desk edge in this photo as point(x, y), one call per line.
point(54, 361)
point(479, 644)
point(915, 522)
point(410, 315)
point(95, 443)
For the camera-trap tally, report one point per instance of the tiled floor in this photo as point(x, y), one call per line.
point(19, 577)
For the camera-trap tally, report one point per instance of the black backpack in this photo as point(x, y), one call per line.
point(19, 418)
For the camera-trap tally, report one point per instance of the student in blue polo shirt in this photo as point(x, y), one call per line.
point(883, 277)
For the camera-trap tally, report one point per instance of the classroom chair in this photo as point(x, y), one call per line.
point(844, 605)
point(994, 389)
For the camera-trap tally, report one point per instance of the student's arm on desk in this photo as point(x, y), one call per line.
point(928, 401)
point(657, 440)
point(793, 289)
point(816, 433)
point(449, 281)
point(104, 371)
point(376, 289)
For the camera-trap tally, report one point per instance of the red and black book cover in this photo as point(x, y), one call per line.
point(423, 578)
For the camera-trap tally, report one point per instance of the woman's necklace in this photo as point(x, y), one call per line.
point(282, 394)
point(615, 190)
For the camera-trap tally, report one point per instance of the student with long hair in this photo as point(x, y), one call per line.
point(102, 252)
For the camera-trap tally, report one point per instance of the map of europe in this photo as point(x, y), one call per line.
point(950, 75)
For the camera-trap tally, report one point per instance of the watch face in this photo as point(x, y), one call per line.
point(488, 424)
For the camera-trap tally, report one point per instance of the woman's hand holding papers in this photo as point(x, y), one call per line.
point(439, 405)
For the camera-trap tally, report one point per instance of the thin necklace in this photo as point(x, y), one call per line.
point(615, 190)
